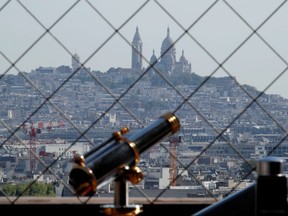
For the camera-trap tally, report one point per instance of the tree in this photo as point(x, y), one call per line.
point(9, 189)
point(20, 188)
point(36, 189)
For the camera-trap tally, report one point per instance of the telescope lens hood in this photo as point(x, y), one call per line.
point(82, 180)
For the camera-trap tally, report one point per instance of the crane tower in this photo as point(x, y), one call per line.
point(32, 140)
point(173, 140)
point(32, 144)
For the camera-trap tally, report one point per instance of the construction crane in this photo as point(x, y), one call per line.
point(173, 140)
point(51, 124)
point(32, 144)
point(32, 137)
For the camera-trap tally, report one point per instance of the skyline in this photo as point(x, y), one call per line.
point(218, 36)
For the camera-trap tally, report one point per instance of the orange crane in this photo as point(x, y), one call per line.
point(173, 140)
point(32, 138)
point(32, 144)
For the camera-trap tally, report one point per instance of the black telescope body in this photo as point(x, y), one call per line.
point(102, 164)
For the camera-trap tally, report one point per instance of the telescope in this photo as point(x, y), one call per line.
point(116, 159)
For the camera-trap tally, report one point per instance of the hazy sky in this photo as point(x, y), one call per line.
point(213, 39)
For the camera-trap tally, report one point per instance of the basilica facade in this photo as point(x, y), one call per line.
point(166, 62)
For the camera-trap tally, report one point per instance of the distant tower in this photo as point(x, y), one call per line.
point(137, 51)
point(75, 62)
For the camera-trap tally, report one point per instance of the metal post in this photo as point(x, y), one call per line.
point(121, 192)
point(121, 206)
point(271, 188)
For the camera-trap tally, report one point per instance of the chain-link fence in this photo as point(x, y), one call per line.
point(225, 89)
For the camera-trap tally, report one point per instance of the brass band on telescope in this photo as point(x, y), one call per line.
point(132, 145)
point(172, 119)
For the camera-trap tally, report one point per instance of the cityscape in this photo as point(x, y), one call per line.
point(51, 114)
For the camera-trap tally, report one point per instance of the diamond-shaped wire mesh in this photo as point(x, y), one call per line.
point(222, 89)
